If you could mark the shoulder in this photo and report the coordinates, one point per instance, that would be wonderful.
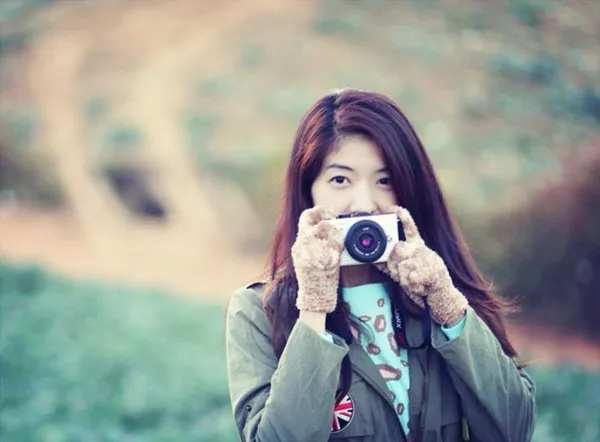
(248, 295)
(246, 305)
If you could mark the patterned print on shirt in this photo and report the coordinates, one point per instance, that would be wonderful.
(388, 372)
(403, 362)
(380, 302)
(393, 344)
(379, 324)
(400, 408)
(364, 318)
(373, 349)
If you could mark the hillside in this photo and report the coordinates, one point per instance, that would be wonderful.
(204, 97)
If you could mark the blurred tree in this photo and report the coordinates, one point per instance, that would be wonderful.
(121, 158)
(131, 185)
(551, 257)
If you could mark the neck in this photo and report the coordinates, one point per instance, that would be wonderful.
(351, 276)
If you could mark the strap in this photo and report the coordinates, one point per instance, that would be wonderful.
(400, 329)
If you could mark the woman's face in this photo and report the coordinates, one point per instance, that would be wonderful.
(354, 178)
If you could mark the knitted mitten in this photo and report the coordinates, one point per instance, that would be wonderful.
(422, 273)
(316, 255)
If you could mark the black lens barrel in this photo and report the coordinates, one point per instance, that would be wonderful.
(353, 241)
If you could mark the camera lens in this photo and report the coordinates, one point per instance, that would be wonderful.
(365, 241)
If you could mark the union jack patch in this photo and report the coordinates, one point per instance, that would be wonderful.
(342, 414)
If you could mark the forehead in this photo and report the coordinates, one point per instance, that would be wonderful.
(356, 149)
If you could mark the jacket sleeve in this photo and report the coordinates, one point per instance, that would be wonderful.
(498, 398)
(287, 400)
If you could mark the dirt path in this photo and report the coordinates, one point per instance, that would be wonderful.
(96, 238)
(153, 257)
(541, 346)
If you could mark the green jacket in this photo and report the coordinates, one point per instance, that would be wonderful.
(292, 399)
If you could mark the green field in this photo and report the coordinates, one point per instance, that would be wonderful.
(88, 362)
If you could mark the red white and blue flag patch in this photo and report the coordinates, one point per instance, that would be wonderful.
(342, 414)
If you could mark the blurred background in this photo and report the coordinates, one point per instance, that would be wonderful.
(142, 146)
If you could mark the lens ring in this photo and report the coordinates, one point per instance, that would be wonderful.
(359, 231)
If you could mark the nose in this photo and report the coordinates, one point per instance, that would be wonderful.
(362, 200)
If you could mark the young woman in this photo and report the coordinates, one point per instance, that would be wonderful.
(414, 348)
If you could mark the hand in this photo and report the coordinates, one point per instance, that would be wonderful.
(316, 254)
(422, 274)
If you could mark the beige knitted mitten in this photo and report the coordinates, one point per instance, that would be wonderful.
(316, 254)
(422, 273)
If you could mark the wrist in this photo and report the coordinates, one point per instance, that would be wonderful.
(317, 294)
(315, 320)
(457, 321)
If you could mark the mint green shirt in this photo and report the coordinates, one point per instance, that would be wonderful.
(370, 303)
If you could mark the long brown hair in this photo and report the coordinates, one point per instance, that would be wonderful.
(355, 112)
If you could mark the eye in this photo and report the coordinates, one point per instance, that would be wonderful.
(385, 181)
(339, 180)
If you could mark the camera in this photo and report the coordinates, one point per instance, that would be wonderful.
(368, 239)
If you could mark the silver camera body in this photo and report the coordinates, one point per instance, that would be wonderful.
(368, 239)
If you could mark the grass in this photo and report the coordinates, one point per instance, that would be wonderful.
(568, 400)
(88, 362)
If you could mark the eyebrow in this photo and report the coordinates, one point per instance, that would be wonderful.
(349, 169)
